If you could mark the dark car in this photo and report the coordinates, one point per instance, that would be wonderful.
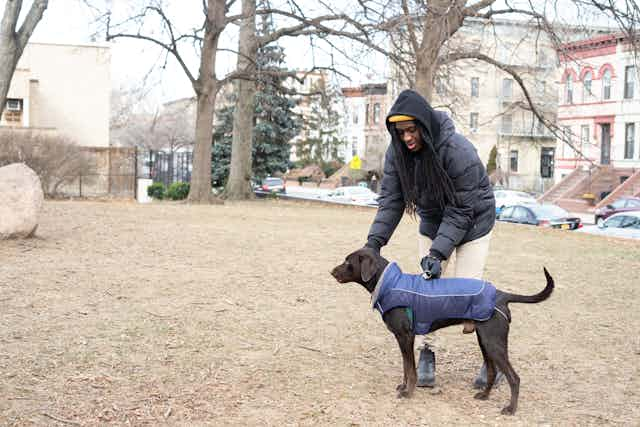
(546, 215)
(272, 185)
(623, 204)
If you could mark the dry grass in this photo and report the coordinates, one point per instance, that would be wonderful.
(119, 313)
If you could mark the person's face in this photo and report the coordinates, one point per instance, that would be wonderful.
(409, 134)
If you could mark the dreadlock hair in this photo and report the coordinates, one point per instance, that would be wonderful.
(422, 172)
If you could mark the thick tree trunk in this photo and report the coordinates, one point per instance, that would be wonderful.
(239, 184)
(206, 88)
(443, 19)
(12, 42)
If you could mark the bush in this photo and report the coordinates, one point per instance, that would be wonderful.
(156, 190)
(178, 191)
(55, 158)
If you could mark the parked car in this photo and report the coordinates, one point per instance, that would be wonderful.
(506, 198)
(623, 204)
(624, 224)
(542, 215)
(353, 194)
(272, 185)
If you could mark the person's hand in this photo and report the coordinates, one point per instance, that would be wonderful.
(372, 244)
(431, 267)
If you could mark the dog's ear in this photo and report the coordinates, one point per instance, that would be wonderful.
(367, 268)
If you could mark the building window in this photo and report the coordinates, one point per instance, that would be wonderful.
(541, 86)
(366, 114)
(440, 89)
(473, 122)
(354, 146)
(376, 113)
(507, 89)
(538, 125)
(507, 120)
(513, 160)
(584, 139)
(629, 140)
(586, 86)
(546, 162)
(13, 111)
(629, 81)
(566, 140)
(606, 84)
(568, 89)
(355, 116)
(475, 87)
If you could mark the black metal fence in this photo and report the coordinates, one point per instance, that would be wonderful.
(165, 167)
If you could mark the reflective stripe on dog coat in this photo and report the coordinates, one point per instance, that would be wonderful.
(435, 299)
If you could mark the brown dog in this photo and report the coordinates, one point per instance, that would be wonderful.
(366, 267)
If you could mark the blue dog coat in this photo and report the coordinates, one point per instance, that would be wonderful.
(435, 299)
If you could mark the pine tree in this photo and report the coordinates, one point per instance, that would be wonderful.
(274, 123)
(323, 142)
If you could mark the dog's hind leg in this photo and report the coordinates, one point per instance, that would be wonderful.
(502, 360)
(491, 372)
(496, 347)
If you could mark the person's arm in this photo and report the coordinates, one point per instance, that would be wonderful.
(458, 219)
(391, 205)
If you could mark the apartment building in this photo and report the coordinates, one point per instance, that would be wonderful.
(599, 109)
(64, 89)
(488, 105)
(366, 108)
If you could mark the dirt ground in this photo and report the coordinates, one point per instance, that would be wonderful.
(170, 314)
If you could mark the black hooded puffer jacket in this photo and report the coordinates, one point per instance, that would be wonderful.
(472, 217)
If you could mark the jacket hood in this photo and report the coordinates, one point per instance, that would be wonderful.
(411, 103)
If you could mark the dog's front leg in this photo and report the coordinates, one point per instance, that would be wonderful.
(399, 323)
(406, 341)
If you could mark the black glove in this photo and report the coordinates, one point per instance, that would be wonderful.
(372, 244)
(431, 266)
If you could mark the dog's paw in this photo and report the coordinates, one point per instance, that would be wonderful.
(508, 410)
(483, 395)
(404, 391)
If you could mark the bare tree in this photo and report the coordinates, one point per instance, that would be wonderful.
(423, 38)
(238, 186)
(13, 39)
(153, 24)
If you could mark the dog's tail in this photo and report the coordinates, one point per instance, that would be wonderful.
(531, 299)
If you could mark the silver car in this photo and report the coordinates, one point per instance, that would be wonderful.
(624, 224)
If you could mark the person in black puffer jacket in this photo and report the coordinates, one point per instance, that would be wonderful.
(434, 172)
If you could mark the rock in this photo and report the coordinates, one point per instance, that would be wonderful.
(21, 200)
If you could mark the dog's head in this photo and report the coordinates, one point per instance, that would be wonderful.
(359, 266)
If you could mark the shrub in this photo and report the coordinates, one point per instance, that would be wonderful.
(156, 190)
(178, 191)
(55, 158)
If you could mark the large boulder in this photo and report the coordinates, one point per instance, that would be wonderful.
(21, 199)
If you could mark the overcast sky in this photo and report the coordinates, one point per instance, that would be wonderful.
(70, 21)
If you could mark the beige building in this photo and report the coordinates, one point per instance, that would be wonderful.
(63, 88)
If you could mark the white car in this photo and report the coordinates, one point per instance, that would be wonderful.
(506, 198)
(624, 224)
(353, 195)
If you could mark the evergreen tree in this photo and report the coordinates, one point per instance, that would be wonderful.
(491, 163)
(274, 124)
(323, 143)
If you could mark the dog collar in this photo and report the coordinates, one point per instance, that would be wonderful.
(376, 291)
